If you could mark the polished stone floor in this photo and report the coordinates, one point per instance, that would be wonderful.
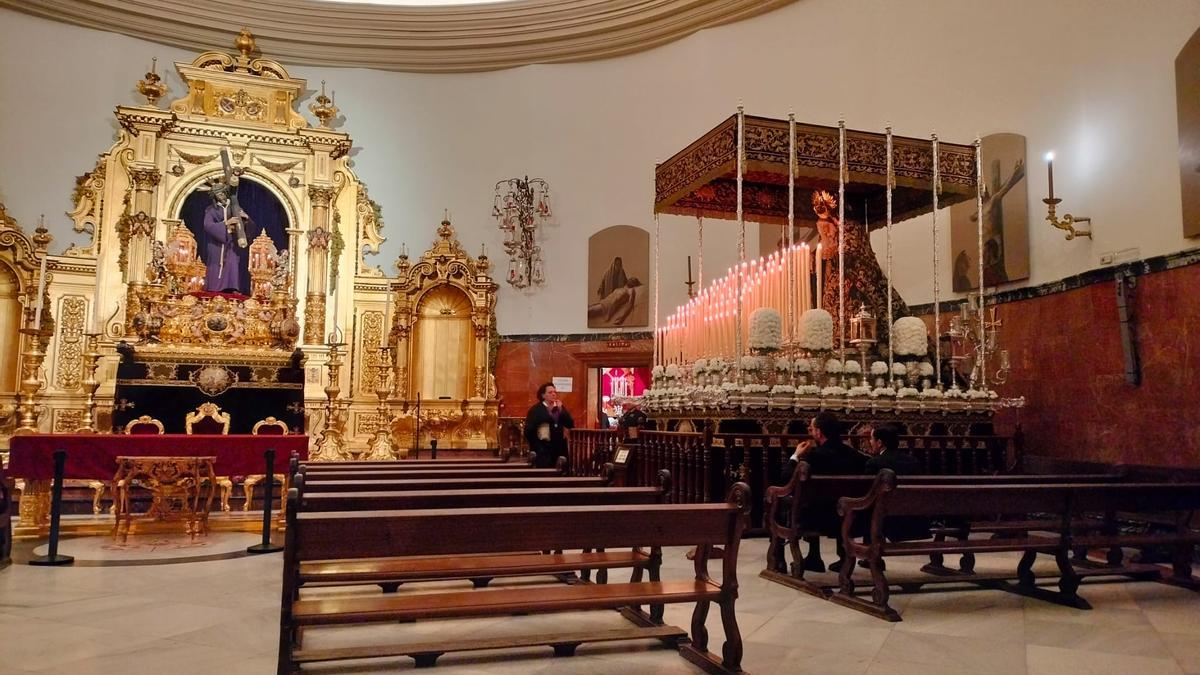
(222, 617)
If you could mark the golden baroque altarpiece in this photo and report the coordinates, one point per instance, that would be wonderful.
(135, 281)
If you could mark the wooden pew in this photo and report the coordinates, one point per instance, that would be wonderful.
(455, 532)
(889, 497)
(785, 507)
(447, 474)
(323, 484)
(390, 573)
(6, 513)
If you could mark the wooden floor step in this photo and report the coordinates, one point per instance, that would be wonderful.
(564, 644)
(329, 611)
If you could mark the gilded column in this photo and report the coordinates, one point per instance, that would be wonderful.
(319, 238)
(141, 222)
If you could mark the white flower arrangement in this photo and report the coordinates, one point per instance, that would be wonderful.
(833, 390)
(879, 368)
(808, 390)
(882, 391)
(925, 369)
(657, 372)
(955, 393)
(755, 389)
(907, 392)
(717, 366)
(783, 365)
(803, 366)
(932, 392)
(860, 390)
(853, 367)
(977, 394)
(730, 386)
(750, 363)
(833, 366)
(766, 329)
(899, 369)
(700, 367)
(673, 371)
(910, 336)
(785, 389)
(816, 330)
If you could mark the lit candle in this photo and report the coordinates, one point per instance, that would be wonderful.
(37, 309)
(1050, 172)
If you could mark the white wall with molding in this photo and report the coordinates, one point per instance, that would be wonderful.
(1091, 79)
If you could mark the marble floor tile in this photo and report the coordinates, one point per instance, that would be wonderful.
(964, 654)
(1104, 639)
(1057, 660)
(1185, 649)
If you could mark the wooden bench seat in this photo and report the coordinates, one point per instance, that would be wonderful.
(437, 568)
(498, 602)
(437, 473)
(1066, 502)
(786, 506)
(314, 484)
(390, 573)
(424, 533)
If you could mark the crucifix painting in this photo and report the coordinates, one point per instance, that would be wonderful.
(1005, 219)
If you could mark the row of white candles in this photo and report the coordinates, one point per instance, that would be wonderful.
(705, 326)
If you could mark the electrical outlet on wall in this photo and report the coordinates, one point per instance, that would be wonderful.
(1106, 258)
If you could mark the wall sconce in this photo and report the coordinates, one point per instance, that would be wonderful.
(1067, 222)
(519, 206)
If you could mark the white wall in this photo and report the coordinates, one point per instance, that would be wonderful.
(1091, 79)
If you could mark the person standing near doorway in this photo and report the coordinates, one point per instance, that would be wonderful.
(546, 426)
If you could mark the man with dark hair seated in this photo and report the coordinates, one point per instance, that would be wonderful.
(886, 454)
(826, 455)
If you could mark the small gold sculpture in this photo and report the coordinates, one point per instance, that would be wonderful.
(152, 87)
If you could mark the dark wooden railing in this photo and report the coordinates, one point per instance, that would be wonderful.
(705, 465)
(588, 450)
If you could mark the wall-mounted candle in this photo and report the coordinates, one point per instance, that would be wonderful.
(1050, 172)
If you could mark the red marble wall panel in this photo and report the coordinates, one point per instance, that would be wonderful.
(1068, 363)
(521, 367)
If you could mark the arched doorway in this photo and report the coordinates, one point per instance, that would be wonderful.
(444, 344)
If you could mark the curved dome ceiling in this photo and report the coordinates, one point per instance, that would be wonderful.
(437, 36)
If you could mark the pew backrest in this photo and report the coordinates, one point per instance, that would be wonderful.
(315, 484)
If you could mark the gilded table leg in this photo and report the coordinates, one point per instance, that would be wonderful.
(34, 507)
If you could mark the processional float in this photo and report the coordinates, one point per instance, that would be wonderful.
(791, 332)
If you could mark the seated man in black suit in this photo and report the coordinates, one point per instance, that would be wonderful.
(826, 455)
(886, 454)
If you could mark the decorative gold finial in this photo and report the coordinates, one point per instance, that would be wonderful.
(244, 43)
(323, 109)
(152, 87)
(41, 236)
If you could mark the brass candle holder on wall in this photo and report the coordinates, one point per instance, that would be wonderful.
(1068, 221)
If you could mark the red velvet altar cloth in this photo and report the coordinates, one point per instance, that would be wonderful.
(94, 456)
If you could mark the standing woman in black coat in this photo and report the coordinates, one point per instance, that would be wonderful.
(546, 426)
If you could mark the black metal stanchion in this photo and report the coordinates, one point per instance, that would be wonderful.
(433, 448)
(266, 546)
(52, 557)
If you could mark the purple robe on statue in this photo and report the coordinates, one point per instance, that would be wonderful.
(220, 251)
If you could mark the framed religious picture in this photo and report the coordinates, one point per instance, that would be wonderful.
(618, 278)
(1005, 219)
(1187, 83)
(622, 456)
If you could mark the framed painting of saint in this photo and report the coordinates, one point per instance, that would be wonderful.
(618, 278)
